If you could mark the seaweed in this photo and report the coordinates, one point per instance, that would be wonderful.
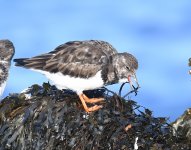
(43, 117)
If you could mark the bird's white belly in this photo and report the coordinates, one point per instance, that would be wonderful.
(2, 87)
(76, 84)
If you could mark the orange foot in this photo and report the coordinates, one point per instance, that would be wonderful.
(85, 99)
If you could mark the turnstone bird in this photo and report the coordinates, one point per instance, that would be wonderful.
(83, 65)
(7, 51)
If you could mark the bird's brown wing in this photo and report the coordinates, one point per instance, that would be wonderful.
(76, 58)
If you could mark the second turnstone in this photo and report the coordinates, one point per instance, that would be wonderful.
(84, 65)
(7, 51)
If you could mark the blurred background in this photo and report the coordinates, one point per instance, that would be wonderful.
(158, 33)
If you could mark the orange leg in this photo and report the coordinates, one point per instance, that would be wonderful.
(88, 109)
(92, 100)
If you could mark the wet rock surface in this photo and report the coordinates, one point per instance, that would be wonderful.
(45, 118)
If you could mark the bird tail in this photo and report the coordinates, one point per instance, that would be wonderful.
(37, 62)
(28, 63)
(20, 62)
(31, 63)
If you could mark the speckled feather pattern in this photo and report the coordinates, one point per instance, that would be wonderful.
(7, 51)
(83, 60)
(4, 68)
(77, 58)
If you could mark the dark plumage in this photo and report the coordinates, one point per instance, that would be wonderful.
(83, 60)
(78, 58)
(7, 51)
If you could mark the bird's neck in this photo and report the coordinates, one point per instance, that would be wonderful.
(109, 75)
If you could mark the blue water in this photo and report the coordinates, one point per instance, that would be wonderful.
(158, 33)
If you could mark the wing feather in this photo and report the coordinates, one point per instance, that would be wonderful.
(75, 58)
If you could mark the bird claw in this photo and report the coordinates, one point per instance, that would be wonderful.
(93, 108)
(85, 99)
(92, 100)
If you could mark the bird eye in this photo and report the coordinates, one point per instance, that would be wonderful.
(127, 68)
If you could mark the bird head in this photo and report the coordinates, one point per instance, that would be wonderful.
(7, 50)
(125, 66)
